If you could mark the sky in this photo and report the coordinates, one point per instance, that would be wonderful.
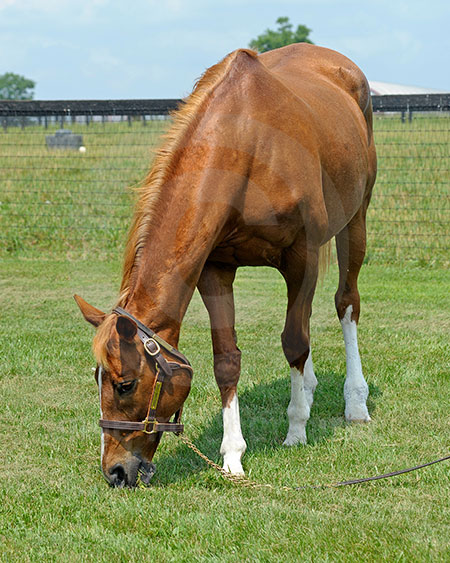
(118, 49)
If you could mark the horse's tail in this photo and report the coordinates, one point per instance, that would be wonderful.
(324, 259)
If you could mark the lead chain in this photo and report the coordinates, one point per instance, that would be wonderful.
(235, 479)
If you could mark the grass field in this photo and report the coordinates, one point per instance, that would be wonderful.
(65, 201)
(408, 218)
(55, 505)
(80, 204)
(64, 217)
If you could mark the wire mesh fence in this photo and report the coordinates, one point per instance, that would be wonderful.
(409, 214)
(77, 199)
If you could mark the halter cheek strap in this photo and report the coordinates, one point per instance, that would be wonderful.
(152, 345)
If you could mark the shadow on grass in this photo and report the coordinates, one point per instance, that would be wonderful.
(264, 425)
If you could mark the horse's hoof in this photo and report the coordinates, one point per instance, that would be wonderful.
(234, 467)
(356, 411)
(360, 420)
(294, 440)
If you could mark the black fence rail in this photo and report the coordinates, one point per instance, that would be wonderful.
(66, 168)
(412, 102)
(68, 108)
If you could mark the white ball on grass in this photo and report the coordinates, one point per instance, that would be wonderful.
(82, 149)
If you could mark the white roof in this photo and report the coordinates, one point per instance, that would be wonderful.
(386, 88)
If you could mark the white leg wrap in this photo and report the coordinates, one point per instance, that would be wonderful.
(356, 389)
(298, 410)
(310, 380)
(233, 443)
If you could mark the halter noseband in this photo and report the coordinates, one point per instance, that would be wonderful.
(152, 346)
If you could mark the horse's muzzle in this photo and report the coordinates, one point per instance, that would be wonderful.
(127, 475)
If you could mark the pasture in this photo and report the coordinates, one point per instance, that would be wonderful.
(81, 204)
(63, 225)
(56, 506)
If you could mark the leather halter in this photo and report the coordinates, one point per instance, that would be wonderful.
(152, 346)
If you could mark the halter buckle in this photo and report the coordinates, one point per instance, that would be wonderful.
(147, 349)
(146, 422)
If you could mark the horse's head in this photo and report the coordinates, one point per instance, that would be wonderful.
(126, 376)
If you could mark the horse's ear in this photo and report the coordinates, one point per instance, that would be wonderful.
(126, 328)
(90, 313)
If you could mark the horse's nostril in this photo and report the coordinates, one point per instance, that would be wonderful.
(118, 476)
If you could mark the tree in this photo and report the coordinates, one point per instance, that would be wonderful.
(282, 36)
(16, 87)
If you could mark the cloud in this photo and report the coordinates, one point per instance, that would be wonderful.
(111, 48)
(25, 6)
(104, 58)
(81, 11)
(397, 43)
(6, 4)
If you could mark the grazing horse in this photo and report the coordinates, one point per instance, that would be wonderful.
(270, 157)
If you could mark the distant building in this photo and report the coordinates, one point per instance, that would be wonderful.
(386, 88)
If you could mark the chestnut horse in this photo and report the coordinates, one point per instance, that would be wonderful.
(269, 158)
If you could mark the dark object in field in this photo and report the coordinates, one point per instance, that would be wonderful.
(64, 139)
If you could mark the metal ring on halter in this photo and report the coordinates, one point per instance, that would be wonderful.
(146, 422)
(148, 350)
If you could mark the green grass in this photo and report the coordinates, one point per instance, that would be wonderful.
(80, 204)
(62, 200)
(409, 214)
(62, 215)
(55, 505)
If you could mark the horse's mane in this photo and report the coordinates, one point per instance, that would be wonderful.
(102, 341)
(184, 120)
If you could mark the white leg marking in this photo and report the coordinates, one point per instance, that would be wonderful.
(233, 443)
(310, 380)
(298, 410)
(101, 412)
(356, 389)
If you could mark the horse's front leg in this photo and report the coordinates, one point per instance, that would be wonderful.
(216, 288)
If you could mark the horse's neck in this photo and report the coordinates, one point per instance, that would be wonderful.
(187, 226)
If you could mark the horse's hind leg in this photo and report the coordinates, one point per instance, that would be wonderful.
(351, 248)
(301, 277)
(216, 288)
(310, 380)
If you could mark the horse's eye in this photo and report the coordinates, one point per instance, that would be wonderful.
(126, 387)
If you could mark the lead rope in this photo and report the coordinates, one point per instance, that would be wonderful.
(245, 482)
(235, 479)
